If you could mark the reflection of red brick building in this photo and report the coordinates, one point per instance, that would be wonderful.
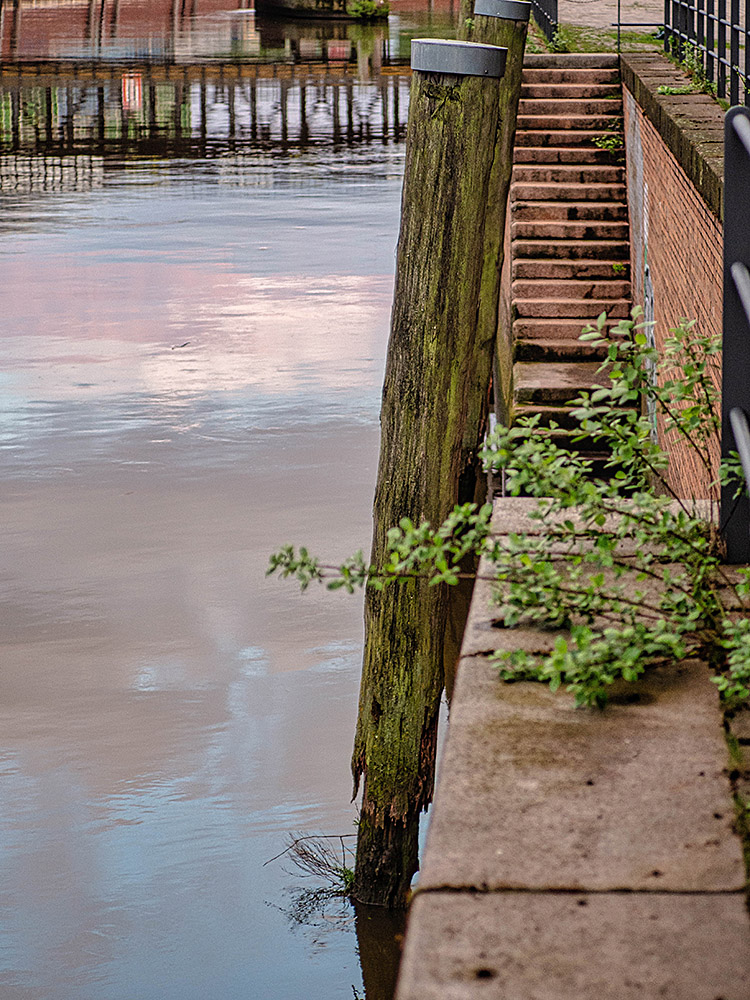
(60, 29)
(184, 31)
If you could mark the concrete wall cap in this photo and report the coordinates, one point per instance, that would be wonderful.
(439, 55)
(511, 10)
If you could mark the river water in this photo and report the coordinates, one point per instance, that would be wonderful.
(196, 261)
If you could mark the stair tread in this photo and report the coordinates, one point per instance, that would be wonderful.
(570, 106)
(574, 287)
(564, 60)
(557, 138)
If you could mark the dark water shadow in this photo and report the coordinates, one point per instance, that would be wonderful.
(380, 936)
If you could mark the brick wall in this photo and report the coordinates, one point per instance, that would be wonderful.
(676, 247)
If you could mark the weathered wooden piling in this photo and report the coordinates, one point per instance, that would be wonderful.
(504, 23)
(427, 448)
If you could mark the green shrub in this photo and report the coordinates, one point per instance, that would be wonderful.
(368, 10)
(630, 572)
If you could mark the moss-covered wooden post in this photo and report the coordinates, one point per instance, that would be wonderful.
(504, 23)
(429, 379)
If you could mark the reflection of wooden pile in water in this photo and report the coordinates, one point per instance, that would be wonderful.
(221, 111)
(23, 174)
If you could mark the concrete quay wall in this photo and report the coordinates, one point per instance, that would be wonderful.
(576, 854)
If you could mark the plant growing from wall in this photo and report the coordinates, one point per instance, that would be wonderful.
(629, 572)
(612, 141)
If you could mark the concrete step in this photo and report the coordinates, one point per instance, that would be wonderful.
(572, 308)
(569, 233)
(550, 268)
(551, 75)
(568, 192)
(540, 382)
(557, 350)
(552, 328)
(560, 154)
(545, 135)
(573, 249)
(568, 173)
(569, 230)
(570, 60)
(577, 289)
(568, 91)
(569, 211)
(562, 945)
(572, 122)
(560, 414)
(560, 105)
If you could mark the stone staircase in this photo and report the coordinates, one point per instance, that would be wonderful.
(569, 250)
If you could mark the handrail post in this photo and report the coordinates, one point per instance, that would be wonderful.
(735, 394)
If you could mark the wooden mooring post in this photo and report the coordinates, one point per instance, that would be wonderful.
(429, 439)
(504, 23)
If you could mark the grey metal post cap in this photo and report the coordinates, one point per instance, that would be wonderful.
(439, 55)
(511, 10)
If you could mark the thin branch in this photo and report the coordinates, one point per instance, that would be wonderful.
(310, 836)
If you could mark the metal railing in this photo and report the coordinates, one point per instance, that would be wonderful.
(712, 38)
(735, 396)
(545, 15)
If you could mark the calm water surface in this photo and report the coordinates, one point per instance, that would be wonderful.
(192, 352)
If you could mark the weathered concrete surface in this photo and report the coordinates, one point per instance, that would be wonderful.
(529, 946)
(536, 794)
(574, 853)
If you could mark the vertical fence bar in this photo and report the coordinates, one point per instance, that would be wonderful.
(667, 25)
(700, 27)
(690, 16)
(710, 38)
(734, 52)
(684, 25)
(721, 61)
(735, 394)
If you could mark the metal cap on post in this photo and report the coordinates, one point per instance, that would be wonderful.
(735, 390)
(438, 55)
(511, 10)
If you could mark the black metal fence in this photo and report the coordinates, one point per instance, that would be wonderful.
(712, 38)
(735, 401)
(545, 15)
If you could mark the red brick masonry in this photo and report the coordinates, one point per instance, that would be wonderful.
(674, 178)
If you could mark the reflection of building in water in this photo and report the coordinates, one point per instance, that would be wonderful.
(32, 30)
(193, 30)
(190, 31)
(158, 111)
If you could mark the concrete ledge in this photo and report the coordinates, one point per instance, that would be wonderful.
(574, 853)
(536, 794)
(691, 125)
(527, 946)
